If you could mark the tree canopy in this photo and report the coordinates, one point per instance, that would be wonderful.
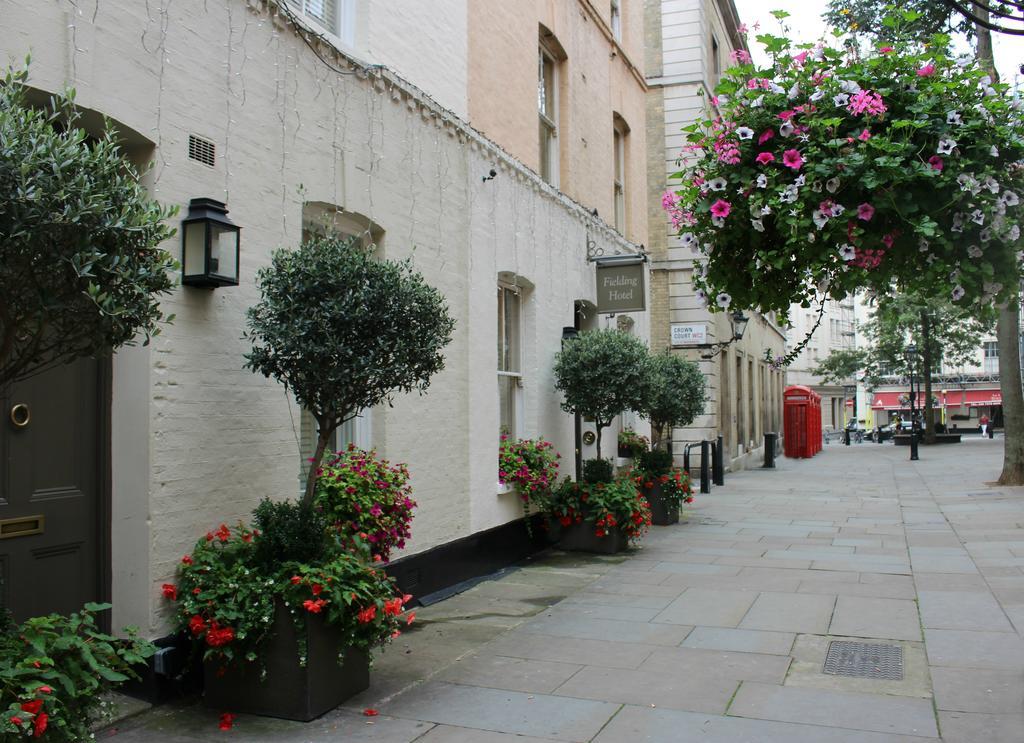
(344, 331)
(677, 393)
(81, 270)
(601, 373)
(924, 19)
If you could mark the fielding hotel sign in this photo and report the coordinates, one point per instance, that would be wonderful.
(620, 284)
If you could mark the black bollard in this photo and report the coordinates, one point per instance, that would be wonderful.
(705, 474)
(718, 463)
(769, 450)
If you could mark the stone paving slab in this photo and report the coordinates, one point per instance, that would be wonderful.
(962, 610)
(740, 640)
(449, 734)
(790, 612)
(718, 664)
(962, 649)
(568, 625)
(583, 652)
(967, 727)
(514, 674)
(874, 712)
(976, 690)
(673, 690)
(894, 619)
(710, 607)
(646, 725)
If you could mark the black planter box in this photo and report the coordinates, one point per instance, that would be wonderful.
(662, 512)
(581, 538)
(625, 452)
(290, 691)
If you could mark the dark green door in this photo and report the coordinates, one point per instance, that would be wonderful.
(50, 451)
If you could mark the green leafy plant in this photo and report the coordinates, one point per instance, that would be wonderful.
(674, 483)
(676, 394)
(655, 463)
(633, 442)
(362, 496)
(598, 470)
(226, 594)
(532, 466)
(54, 669)
(605, 506)
(81, 271)
(344, 331)
(856, 171)
(601, 373)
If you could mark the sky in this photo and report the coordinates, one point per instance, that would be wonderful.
(807, 25)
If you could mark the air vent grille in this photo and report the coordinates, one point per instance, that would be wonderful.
(201, 150)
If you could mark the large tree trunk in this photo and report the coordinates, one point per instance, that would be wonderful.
(1007, 331)
(929, 411)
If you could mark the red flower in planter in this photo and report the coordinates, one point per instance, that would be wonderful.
(186, 560)
(39, 724)
(317, 589)
(219, 636)
(314, 607)
(227, 720)
(170, 591)
(197, 625)
(367, 614)
(393, 607)
(32, 707)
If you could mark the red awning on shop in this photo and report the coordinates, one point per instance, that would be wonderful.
(952, 399)
(972, 398)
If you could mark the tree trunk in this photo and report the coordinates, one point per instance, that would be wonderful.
(1007, 331)
(599, 427)
(929, 411)
(324, 435)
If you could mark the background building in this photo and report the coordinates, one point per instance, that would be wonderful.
(294, 115)
(689, 43)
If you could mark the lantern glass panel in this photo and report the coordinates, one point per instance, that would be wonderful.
(195, 248)
(224, 251)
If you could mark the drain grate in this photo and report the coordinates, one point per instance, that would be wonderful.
(864, 660)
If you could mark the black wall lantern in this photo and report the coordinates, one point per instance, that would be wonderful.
(210, 245)
(739, 324)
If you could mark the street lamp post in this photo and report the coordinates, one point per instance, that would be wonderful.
(910, 354)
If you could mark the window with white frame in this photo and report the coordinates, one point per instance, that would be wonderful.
(991, 349)
(547, 108)
(616, 13)
(619, 188)
(510, 376)
(332, 16)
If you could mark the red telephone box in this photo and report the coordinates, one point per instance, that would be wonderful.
(802, 416)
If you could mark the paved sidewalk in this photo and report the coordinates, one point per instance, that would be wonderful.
(716, 630)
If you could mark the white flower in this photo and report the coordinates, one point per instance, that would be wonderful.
(800, 180)
(757, 224)
(718, 184)
(930, 259)
(847, 252)
(818, 53)
(817, 95)
(991, 91)
(702, 297)
(968, 183)
(707, 248)
(744, 132)
(1013, 234)
(794, 91)
(766, 210)
(985, 235)
(762, 181)
(837, 209)
(978, 217)
(849, 86)
(922, 245)
(832, 185)
(722, 100)
(958, 223)
(1009, 198)
(786, 128)
(805, 137)
(973, 251)
(958, 293)
(994, 151)
(819, 219)
(718, 221)
(757, 102)
(992, 184)
(775, 87)
(723, 300)
(985, 80)
(789, 194)
(700, 270)
(953, 117)
(842, 100)
(945, 146)
(688, 240)
(811, 237)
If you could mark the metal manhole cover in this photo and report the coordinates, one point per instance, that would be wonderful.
(864, 660)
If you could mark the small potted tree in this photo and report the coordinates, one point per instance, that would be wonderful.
(271, 602)
(675, 397)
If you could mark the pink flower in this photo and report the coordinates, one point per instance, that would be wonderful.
(886, 49)
(669, 200)
(889, 239)
(721, 209)
(792, 159)
(927, 71)
(865, 212)
(740, 55)
(867, 102)
(763, 158)
(800, 58)
(742, 28)
(864, 136)
(787, 115)
(765, 136)
(936, 162)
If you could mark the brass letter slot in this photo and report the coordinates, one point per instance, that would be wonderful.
(22, 527)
